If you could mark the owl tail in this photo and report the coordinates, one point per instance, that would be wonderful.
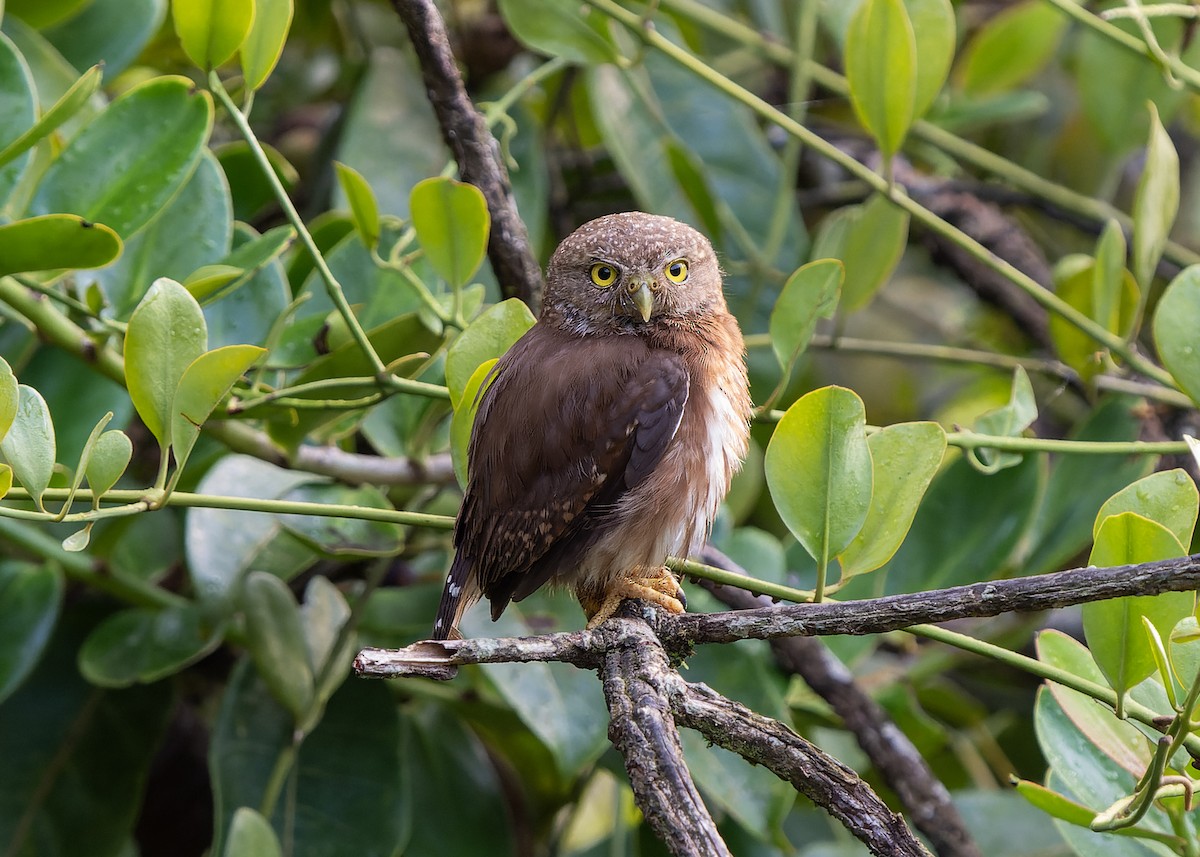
(460, 593)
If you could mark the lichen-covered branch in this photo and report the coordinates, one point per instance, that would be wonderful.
(924, 798)
(475, 150)
(819, 777)
(635, 674)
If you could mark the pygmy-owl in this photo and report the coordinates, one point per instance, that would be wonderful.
(610, 431)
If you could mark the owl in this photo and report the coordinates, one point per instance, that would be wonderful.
(606, 437)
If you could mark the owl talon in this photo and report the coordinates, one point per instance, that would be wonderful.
(662, 589)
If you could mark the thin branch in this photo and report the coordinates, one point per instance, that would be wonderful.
(475, 150)
(870, 616)
(636, 676)
(819, 777)
(921, 793)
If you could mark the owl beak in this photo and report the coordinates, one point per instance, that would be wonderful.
(643, 298)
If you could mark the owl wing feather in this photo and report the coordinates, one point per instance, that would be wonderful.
(567, 428)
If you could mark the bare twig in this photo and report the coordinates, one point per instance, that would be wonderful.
(921, 793)
(635, 674)
(475, 150)
(871, 616)
(818, 776)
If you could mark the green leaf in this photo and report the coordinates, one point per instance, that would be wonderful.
(30, 598)
(324, 614)
(874, 243)
(6, 480)
(344, 794)
(348, 537)
(252, 306)
(810, 293)
(1113, 628)
(904, 459)
(193, 230)
(43, 13)
(935, 33)
(1011, 420)
(1184, 649)
(107, 175)
(1176, 320)
(1120, 740)
(1081, 283)
(18, 109)
(264, 43)
(250, 835)
(487, 338)
(76, 757)
(166, 334)
(55, 241)
(29, 446)
(1109, 279)
(1155, 203)
(252, 191)
(205, 382)
(108, 33)
(1011, 48)
(881, 69)
(275, 639)
(207, 280)
(1054, 804)
(550, 27)
(223, 544)
(363, 208)
(145, 645)
(211, 31)
(1168, 498)
(10, 397)
(452, 223)
(464, 418)
(818, 469)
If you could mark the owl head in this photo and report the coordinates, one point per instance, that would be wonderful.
(622, 271)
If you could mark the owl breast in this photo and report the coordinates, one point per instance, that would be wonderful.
(695, 472)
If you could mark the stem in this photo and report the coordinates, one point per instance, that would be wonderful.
(279, 775)
(500, 107)
(332, 286)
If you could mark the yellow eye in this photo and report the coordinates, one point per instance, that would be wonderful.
(677, 271)
(603, 275)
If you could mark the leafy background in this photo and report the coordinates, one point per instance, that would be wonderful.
(173, 666)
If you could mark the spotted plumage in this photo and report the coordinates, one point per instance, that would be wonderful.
(610, 431)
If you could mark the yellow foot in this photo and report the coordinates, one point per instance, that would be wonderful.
(661, 589)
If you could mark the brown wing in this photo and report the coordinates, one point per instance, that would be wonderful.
(568, 426)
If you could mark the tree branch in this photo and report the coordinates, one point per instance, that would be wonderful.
(871, 616)
(475, 150)
(818, 776)
(922, 794)
(636, 675)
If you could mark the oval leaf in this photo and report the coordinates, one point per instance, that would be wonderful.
(67, 106)
(1169, 498)
(9, 397)
(452, 222)
(363, 208)
(873, 245)
(205, 382)
(211, 31)
(109, 175)
(487, 337)
(18, 110)
(810, 293)
(1113, 628)
(264, 43)
(146, 645)
(275, 638)
(1156, 201)
(559, 29)
(1176, 320)
(935, 32)
(166, 334)
(29, 446)
(881, 69)
(251, 835)
(818, 469)
(110, 457)
(29, 602)
(904, 459)
(55, 241)
(1011, 48)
